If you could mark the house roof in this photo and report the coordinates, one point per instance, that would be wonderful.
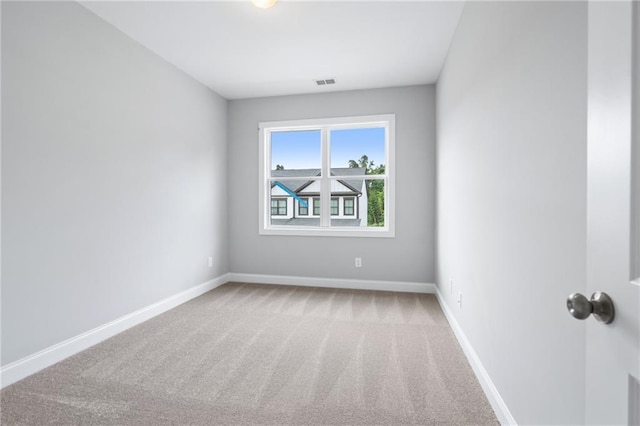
(297, 185)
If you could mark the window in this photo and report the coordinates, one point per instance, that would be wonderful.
(344, 167)
(279, 207)
(349, 204)
(303, 207)
(334, 206)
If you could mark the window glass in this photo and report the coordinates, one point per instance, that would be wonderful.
(303, 207)
(296, 150)
(375, 194)
(349, 205)
(358, 148)
(278, 207)
(334, 206)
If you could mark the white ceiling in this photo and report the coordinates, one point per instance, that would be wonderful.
(241, 51)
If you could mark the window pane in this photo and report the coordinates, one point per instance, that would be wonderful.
(296, 151)
(316, 206)
(375, 196)
(278, 207)
(291, 203)
(349, 205)
(358, 148)
(349, 216)
(303, 206)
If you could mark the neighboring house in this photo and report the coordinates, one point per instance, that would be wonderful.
(297, 202)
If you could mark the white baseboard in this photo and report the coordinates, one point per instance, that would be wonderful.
(496, 401)
(31, 364)
(408, 287)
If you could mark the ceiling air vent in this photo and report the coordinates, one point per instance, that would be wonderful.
(327, 81)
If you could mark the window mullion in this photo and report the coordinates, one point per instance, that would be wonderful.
(325, 182)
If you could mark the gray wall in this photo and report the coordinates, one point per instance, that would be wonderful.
(113, 176)
(407, 257)
(511, 198)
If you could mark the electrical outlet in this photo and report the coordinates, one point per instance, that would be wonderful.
(459, 301)
(358, 262)
(210, 262)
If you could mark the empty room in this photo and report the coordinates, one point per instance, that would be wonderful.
(320, 212)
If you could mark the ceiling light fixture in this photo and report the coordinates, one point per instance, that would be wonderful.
(264, 4)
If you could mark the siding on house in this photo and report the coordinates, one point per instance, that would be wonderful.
(309, 190)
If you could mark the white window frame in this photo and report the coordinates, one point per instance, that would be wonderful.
(325, 125)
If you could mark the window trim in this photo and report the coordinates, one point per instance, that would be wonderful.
(326, 125)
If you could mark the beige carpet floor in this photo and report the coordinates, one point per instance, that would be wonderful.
(264, 354)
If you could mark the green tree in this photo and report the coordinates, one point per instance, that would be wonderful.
(362, 162)
(375, 207)
(374, 188)
(279, 167)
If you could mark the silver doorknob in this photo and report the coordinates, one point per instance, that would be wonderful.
(600, 305)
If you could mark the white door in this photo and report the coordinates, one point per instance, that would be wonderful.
(613, 213)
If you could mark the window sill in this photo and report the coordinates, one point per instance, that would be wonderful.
(290, 231)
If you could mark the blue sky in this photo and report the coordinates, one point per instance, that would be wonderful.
(301, 150)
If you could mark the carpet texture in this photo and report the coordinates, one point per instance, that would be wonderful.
(265, 354)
